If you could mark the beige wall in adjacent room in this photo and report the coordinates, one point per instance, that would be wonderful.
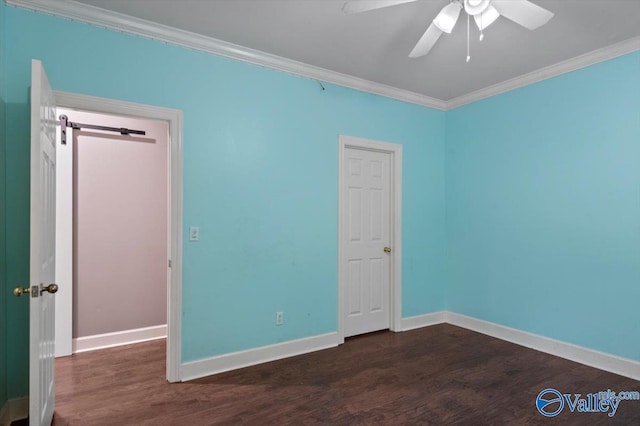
(120, 226)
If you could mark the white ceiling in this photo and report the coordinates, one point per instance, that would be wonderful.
(375, 45)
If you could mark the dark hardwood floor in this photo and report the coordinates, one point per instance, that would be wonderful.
(435, 375)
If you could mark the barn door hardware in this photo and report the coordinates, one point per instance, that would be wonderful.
(64, 123)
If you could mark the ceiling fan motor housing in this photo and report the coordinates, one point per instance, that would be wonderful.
(476, 7)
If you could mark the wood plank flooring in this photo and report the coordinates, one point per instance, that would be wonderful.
(435, 375)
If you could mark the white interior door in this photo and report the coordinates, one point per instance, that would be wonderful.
(42, 248)
(365, 235)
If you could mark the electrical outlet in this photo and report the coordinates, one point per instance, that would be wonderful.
(194, 233)
(279, 318)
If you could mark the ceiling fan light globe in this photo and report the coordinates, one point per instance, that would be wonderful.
(486, 18)
(448, 17)
(476, 7)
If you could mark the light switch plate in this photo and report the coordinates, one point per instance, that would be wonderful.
(194, 233)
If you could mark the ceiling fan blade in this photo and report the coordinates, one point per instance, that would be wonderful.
(357, 6)
(523, 12)
(426, 42)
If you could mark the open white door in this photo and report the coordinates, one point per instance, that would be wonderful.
(42, 248)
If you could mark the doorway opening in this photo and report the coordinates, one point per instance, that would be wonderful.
(119, 228)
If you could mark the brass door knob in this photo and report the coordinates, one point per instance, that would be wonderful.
(387, 249)
(19, 291)
(51, 288)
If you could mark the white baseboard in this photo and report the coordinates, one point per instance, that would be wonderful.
(424, 320)
(592, 358)
(14, 409)
(4, 415)
(119, 338)
(18, 408)
(218, 364)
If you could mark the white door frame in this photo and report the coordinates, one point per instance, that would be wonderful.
(395, 234)
(174, 236)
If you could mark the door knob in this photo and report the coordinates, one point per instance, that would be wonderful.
(19, 291)
(387, 249)
(51, 288)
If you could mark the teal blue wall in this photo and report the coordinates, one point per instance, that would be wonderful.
(260, 180)
(543, 208)
(3, 264)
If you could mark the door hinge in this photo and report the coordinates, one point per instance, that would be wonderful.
(169, 263)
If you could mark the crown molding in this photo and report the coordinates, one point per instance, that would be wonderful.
(117, 21)
(573, 64)
(128, 24)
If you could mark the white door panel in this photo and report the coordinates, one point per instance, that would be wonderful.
(42, 248)
(366, 214)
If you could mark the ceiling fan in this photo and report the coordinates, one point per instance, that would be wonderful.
(484, 13)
